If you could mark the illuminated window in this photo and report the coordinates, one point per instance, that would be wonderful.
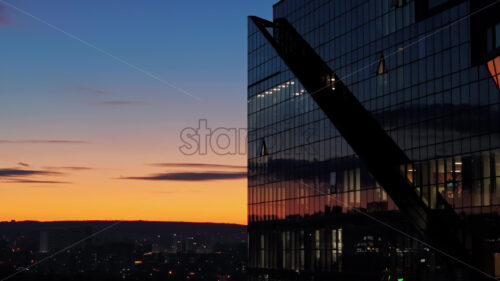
(317, 248)
(381, 69)
(337, 247)
(494, 68)
(353, 188)
(497, 264)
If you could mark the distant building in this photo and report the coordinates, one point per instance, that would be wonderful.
(44, 242)
(371, 122)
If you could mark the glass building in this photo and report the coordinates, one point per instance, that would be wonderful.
(374, 140)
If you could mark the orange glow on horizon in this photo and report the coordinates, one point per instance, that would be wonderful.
(102, 193)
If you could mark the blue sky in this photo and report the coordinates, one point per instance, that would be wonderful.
(199, 46)
(53, 87)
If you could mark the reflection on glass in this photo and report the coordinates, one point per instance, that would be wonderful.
(381, 69)
(494, 68)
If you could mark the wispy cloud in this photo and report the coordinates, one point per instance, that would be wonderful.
(120, 103)
(93, 90)
(35, 181)
(191, 176)
(23, 164)
(45, 141)
(13, 172)
(211, 172)
(56, 186)
(199, 165)
(72, 168)
(29, 176)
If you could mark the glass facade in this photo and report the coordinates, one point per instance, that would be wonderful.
(314, 209)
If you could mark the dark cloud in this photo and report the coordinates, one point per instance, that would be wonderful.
(19, 172)
(199, 165)
(25, 176)
(119, 103)
(45, 141)
(23, 164)
(93, 90)
(188, 176)
(36, 181)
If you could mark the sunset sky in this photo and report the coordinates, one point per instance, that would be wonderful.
(94, 96)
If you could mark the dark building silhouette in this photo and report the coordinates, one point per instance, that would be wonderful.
(128, 251)
(374, 140)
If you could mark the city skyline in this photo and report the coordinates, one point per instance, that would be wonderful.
(250, 140)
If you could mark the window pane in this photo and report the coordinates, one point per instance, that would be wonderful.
(435, 3)
(497, 35)
(489, 39)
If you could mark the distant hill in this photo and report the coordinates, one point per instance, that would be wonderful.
(125, 230)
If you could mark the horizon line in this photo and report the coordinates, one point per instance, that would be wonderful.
(152, 221)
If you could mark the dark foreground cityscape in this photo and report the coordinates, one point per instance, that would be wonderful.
(127, 251)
